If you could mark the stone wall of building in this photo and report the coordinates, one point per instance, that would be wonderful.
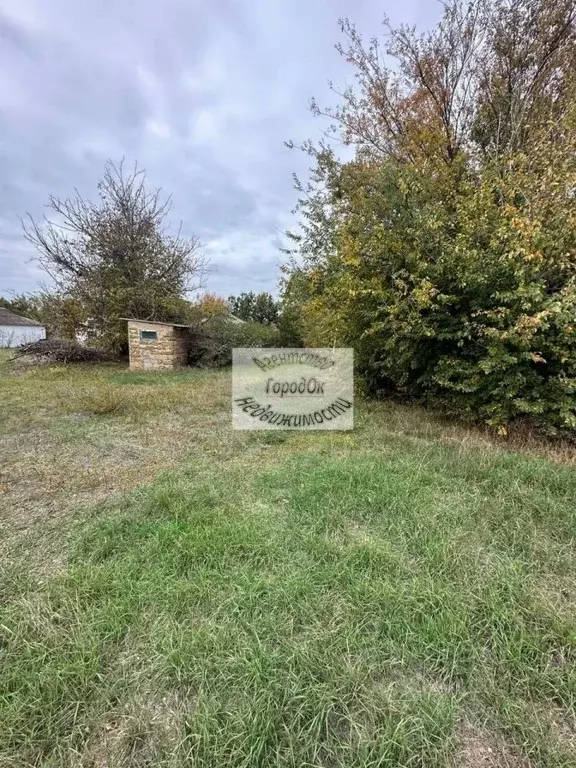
(167, 351)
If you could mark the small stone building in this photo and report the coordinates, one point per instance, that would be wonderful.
(156, 346)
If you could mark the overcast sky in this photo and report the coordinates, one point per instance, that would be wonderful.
(202, 93)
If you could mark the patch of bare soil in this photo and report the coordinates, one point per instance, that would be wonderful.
(146, 732)
(479, 749)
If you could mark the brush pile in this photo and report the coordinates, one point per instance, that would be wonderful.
(60, 351)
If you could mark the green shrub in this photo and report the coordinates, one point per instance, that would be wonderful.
(212, 345)
(469, 303)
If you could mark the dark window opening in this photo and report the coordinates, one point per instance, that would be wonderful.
(148, 336)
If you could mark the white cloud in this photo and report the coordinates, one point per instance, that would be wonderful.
(205, 127)
(159, 128)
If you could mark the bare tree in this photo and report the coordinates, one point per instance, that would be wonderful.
(526, 77)
(394, 111)
(481, 78)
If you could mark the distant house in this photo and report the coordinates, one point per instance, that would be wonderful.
(15, 330)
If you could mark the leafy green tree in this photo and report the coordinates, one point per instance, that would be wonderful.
(26, 305)
(241, 306)
(255, 307)
(292, 287)
(115, 257)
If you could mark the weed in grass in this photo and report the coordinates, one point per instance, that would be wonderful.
(101, 400)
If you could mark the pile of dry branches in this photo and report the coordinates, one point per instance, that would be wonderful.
(61, 351)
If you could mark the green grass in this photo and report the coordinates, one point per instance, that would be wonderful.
(403, 595)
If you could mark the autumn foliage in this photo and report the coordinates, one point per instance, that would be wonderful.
(445, 251)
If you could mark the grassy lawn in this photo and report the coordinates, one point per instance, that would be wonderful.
(173, 593)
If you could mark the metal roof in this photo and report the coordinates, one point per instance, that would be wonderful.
(154, 322)
(9, 318)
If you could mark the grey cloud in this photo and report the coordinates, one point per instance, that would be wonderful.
(201, 94)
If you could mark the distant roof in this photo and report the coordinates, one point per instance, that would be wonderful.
(154, 322)
(9, 318)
